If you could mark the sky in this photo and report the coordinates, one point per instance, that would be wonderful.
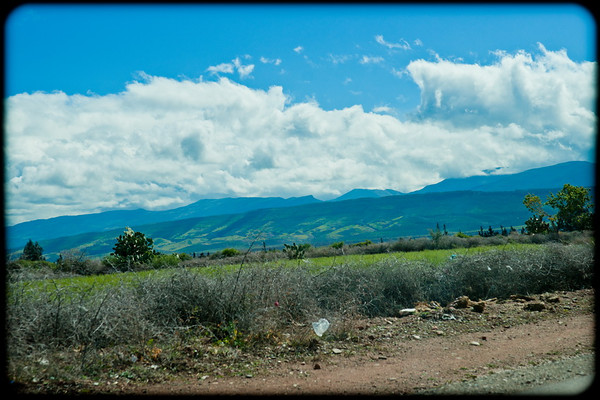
(157, 106)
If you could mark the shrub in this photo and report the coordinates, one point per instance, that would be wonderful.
(76, 262)
(229, 252)
(294, 251)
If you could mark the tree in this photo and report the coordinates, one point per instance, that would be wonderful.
(535, 224)
(133, 248)
(574, 208)
(32, 252)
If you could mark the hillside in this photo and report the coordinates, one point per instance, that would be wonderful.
(384, 218)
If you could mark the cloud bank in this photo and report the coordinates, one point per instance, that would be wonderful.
(163, 143)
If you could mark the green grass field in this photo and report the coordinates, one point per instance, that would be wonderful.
(433, 257)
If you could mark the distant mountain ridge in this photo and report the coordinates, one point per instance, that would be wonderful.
(69, 225)
(578, 173)
(381, 218)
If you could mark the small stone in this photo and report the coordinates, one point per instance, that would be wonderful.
(249, 376)
(317, 366)
(416, 337)
(439, 333)
(336, 350)
(474, 343)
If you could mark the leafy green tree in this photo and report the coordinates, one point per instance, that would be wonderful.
(133, 248)
(32, 252)
(535, 224)
(574, 208)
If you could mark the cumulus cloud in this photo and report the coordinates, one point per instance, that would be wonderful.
(544, 95)
(163, 143)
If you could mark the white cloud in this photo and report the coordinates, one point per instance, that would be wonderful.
(299, 49)
(542, 94)
(275, 61)
(403, 44)
(243, 70)
(236, 65)
(371, 60)
(165, 142)
(225, 68)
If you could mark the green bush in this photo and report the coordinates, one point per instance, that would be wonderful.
(229, 252)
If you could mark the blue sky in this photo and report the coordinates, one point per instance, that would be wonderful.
(164, 105)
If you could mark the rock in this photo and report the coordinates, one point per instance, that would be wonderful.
(521, 298)
(478, 307)
(536, 306)
(474, 343)
(317, 366)
(551, 299)
(416, 337)
(336, 351)
(461, 302)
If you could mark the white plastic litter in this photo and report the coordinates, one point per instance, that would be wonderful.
(320, 327)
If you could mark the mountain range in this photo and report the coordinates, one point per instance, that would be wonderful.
(212, 224)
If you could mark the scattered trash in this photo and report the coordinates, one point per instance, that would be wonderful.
(407, 311)
(320, 326)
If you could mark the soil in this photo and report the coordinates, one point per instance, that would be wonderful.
(496, 346)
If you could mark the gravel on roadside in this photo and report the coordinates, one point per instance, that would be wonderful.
(566, 376)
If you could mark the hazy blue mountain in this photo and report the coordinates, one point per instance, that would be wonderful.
(381, 218)
(41, 229)
(577, 173)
